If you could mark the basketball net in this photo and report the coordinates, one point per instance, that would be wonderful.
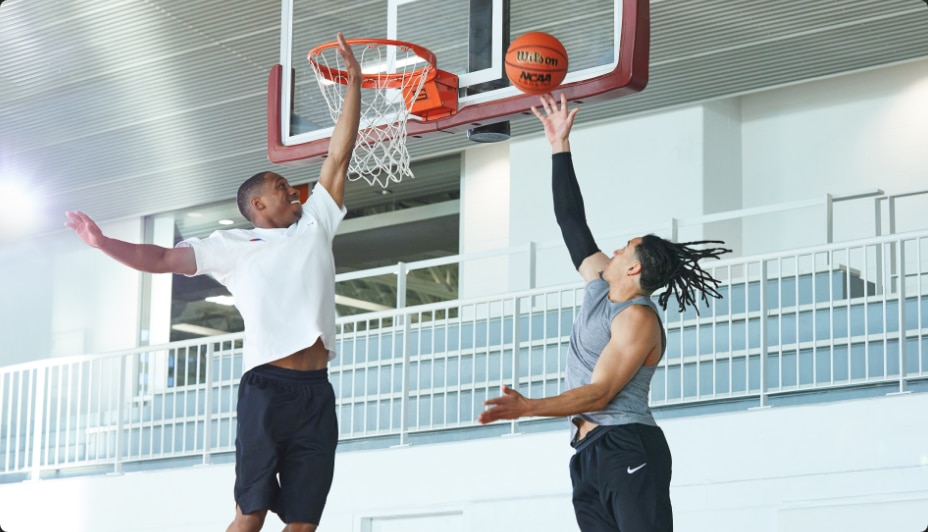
(392, 77)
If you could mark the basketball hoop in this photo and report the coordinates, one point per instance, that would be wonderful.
(393, 76)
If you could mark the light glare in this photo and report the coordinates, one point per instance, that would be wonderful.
(20, 207)
(221, 300)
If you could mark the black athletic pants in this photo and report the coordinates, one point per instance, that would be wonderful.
(621, 479)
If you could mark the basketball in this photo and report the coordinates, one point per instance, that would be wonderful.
(536, 63)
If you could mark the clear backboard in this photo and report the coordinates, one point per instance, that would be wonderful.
(607, 43)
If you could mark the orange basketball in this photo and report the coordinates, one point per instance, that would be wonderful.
(536, 63)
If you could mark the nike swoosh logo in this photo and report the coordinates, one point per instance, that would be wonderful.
(630, 470)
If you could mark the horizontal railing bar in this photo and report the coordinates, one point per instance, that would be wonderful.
(868, 193)
(904, 194)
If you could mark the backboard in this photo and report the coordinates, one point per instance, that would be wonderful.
(607, 43)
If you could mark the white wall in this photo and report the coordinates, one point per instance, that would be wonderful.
(26, 300)
(59, 297)
(156, 326)
(858, 465)
(722, 173)
(839, 136)
(485, 201)
(635, 176)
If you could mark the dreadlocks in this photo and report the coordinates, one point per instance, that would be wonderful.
(676, 265)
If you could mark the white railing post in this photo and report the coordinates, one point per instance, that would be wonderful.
(900, 293)
(829, 218)
(401, 285)
(404, 398)
(674, 229)
(877, 216)
(893, 269)
(516, 351)
(764, 313)
(532, 257)
(120, 412)
(208, 406)
(891, 207)
(35, 468)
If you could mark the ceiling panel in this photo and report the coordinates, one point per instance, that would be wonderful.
(126, 107)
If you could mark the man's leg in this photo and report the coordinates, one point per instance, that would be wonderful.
(591, 514)
(637, 464)
(300, 527)
(256, 455)
(249, 522)
(308, 458)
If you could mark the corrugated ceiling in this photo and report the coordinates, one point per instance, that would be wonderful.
(129, 107)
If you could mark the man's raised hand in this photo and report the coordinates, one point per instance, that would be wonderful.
(351, 62)
(556, 118)
(85, 228)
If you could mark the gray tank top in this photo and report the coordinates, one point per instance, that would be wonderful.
(591, 332)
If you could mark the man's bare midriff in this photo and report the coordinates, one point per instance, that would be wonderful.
(583, 427)
(313, 357)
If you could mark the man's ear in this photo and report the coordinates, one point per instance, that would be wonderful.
(634, 268)
(257, 204)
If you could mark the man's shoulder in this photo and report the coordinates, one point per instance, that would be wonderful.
(635, 313)
(235, 235)
(222, 239)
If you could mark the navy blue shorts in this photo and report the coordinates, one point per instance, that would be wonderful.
(285, 447)
(621, 479)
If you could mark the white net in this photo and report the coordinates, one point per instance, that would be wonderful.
(393, 77)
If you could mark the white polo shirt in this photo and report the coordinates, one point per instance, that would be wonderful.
(283, 280)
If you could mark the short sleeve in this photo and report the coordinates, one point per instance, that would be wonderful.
(212, 255)
(322, 207)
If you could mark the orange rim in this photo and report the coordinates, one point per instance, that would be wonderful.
(397, 80)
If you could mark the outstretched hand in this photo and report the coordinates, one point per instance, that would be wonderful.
(334, 170)
(510, 405)
(351, 62)
(556, 119)
(85, 228)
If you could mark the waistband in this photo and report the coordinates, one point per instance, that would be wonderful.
(591, 437)
(291, 375)
(598, 432)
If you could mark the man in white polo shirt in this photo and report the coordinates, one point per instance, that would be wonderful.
(282, 274)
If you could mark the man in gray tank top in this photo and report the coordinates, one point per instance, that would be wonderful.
(622, 466)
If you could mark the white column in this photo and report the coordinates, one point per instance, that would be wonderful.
(485, 207)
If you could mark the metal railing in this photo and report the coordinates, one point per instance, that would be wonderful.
(422, 281)
(836, 316)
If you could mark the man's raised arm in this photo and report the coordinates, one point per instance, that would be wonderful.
(568, 202)
(341, 145)
(142, 257)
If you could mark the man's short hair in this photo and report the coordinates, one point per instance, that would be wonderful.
(251, 188)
